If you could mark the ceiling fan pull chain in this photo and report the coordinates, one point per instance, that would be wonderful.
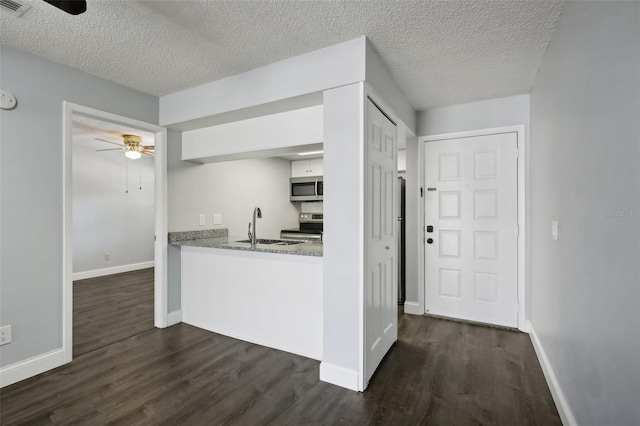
(127, 175)
(140, 175)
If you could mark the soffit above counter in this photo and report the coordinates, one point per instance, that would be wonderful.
(267, 136)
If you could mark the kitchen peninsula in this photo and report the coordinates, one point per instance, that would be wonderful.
(270, 294)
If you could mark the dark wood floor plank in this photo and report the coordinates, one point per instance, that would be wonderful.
(439, 372)
(111, 308)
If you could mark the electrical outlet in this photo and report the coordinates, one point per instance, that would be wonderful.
(217, 219)
(5, 335)
(554, 230)
(107, 256)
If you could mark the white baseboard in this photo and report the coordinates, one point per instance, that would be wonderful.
(339, 376)
(566, 415)
(174, 318)
(413, 308)
(113, 270)
(31, 367)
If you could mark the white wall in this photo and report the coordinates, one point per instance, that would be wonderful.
(485, 114)
(402, 160)
(232, 189)
(414, 222)
(585, 158)
(31, 191)
(343, 235)
(107, 219)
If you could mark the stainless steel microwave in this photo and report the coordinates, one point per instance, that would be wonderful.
(308, 188)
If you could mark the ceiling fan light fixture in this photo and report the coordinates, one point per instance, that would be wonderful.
(133, 146)
(132, 154)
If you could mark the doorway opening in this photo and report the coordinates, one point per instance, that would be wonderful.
(115, 228)
(113, 232)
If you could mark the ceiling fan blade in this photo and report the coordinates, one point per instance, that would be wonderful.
(72, 7)
(113, 143)
(150, 154)
(109, 149)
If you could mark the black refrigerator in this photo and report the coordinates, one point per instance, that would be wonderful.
(401, 241)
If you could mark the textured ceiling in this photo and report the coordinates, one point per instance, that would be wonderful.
(439, 52)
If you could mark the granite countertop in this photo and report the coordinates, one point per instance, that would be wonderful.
(219, 238)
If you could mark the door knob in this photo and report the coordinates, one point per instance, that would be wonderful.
(429, 240)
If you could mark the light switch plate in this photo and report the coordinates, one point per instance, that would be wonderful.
(217, 219)
(554, 230)
(203, 220)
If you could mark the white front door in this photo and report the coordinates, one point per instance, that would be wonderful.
(471, 221)
(381, 306)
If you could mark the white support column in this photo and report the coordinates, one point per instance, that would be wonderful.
(343, 320)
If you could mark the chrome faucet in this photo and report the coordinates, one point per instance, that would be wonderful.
(252, 236)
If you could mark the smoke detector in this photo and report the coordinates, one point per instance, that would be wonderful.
(16, 7)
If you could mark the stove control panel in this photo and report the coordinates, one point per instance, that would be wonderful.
(310, 217)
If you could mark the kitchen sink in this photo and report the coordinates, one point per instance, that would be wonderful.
(274, 242)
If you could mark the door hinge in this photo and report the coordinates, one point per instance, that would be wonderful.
(517, 229)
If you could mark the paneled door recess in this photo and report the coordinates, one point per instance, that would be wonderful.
(380, 281)
(471, 228)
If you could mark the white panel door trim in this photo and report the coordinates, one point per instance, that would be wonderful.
(161, 223)
(523, 235)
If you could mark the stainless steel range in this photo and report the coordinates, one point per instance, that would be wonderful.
(310, 228)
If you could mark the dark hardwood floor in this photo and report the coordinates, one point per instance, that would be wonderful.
(111, 308)
(438, 373)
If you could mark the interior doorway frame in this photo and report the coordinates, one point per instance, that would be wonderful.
(523, 251)
(161, 223)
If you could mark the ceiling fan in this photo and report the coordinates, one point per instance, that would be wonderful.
(132, 147)
(72, 7)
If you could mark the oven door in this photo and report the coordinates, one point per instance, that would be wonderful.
(306, 188)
